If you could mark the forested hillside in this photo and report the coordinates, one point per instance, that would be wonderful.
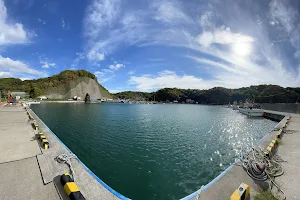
(219, 95)
(43, 85)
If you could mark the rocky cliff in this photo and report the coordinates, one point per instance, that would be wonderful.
(64, 85)
(79, 88)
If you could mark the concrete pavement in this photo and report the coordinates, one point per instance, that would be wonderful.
(28, 171)
(226, 183)
(20, 176)
(289, 151)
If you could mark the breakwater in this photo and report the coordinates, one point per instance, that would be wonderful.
(275, 116)
(281, 107)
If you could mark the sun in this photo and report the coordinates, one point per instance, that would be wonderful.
(242, 48)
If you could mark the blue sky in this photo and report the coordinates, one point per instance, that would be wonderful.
(147, 45)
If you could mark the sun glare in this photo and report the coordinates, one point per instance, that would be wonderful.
(242, 49)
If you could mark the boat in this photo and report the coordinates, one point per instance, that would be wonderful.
(251, 110)
(235, 106)
(33, 102)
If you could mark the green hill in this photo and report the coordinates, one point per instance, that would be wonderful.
(64, 85)
(219, 95)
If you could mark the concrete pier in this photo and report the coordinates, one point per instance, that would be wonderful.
(273, 115)
(20, 176)
(227, 182)
(27, 171)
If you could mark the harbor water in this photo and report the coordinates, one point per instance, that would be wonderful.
(159, 151)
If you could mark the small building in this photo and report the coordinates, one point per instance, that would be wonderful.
(42, 97)
(17, 95)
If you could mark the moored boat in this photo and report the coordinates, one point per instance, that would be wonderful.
(252, 112)
(235, 106)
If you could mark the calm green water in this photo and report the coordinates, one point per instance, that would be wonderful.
(153, 151)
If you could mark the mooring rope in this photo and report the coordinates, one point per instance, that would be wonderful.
(65, 158)
(199, 193)
(261, 168)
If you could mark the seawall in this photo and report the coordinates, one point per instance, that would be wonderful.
(281, 107)
(228, 181)
(91, 186)
(273, 115)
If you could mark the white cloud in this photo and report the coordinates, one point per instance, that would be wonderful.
(26, 78)
(104, 75)
(16, 68)
(41, 21)
(101, 13)
(47, 65)
(215, 64)
(284, 14)
(79, 56)
(11, 33)
(95, 56)
(114, 91)
(206, 20)
(287, 17)
(107, 26)
(169, 79)
(63, 24)
(116, 66)
(211, 37)
(99, 73)
(222, 35)
(131, 73)
(5, 74)
(107, 74)
(169, 11)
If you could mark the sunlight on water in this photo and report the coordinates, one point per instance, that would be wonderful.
(154, 151)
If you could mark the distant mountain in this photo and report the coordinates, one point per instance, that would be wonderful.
(64, 85)
(219, 95)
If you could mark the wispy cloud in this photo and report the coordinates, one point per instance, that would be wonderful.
(238, 47)
(41, 21)
(222, 35)
(116, 66)
(169, 79)
(131, 73)
(79, 56)
(47, 65)
(63, 23)
(95, 56)
(108, 73)
(169, 11)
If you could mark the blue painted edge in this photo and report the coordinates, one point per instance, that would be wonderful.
(120, 196)
(194, 194)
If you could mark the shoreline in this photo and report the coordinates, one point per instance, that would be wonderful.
(230, 179)
(222, 185)
(90, 188)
